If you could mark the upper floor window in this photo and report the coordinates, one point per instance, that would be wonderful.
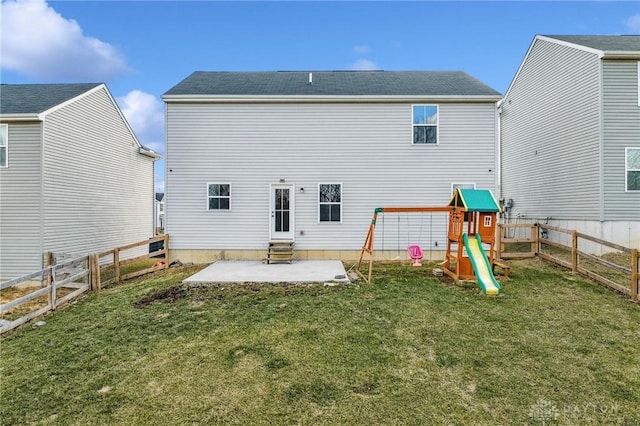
(425, 124)
(219, 196)
(4, 145)
(632, 168)
(330, 202)
(455, 186)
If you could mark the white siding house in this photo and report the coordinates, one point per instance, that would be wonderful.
(570, 136)
(307, 156)
(73, 177)
(159, 216)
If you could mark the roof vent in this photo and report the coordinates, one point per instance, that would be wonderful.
(310, 78)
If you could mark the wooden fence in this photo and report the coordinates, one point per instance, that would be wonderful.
(525, 237)
(113, 260)
(52, 279)
(79, 275)
(537, 238)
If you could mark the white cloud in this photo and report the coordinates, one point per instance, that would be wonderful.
(39, 42)
(145, 114)
(364, 65)
(362, 49)
(633, 24)
(159, 187)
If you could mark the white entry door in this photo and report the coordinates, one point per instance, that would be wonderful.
(282, 212)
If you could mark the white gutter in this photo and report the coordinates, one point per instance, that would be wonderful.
(613, 54)
(21, 117)
(149, 153)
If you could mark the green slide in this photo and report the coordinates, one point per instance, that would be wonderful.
(486, 280)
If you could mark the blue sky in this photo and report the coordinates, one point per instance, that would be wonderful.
(141, 49)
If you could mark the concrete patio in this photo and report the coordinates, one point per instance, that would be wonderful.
(245, 271)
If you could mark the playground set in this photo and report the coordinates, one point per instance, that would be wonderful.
(472, 225)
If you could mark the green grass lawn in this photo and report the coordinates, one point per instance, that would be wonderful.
(407, 349)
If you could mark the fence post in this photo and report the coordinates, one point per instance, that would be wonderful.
(499, 242)
(635, 276)
(166, 251)
(535, 243)
(87, 266)
(116, 264)
(94, 268)
(48, 261)
(49, 280)
(574, 251)
(52, 289)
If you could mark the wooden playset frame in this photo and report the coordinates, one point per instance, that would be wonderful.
(462, 219)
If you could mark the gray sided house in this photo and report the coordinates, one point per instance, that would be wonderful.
(73, 177)
(570, 136)
(254, 157)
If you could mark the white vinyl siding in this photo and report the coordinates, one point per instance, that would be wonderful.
(551, 134)
(98, 188)
(20, 201)
(621, 130)
(364, 146)
(4, 145)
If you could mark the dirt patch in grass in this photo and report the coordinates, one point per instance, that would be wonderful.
(221, 291)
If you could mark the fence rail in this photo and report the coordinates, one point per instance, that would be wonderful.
(118, 262)
(578, 261)
(54, 278)
(78, 275)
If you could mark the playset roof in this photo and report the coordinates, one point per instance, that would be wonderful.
(475, 200)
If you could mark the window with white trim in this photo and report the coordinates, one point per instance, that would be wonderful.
(218, 196)
(466, 185)
(330, 202)
(632, 168)
(4, 145)
(424, 120)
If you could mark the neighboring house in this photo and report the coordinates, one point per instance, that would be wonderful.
(159, 208)
(570, 125)
(254, 157)
(73, 177)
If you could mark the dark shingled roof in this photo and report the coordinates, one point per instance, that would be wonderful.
(619, 43)
(37, 98)
(332, 83)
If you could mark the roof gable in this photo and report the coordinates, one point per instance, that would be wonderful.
(332, 83)
(38, 98)
(607, 47)
(475, 200)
